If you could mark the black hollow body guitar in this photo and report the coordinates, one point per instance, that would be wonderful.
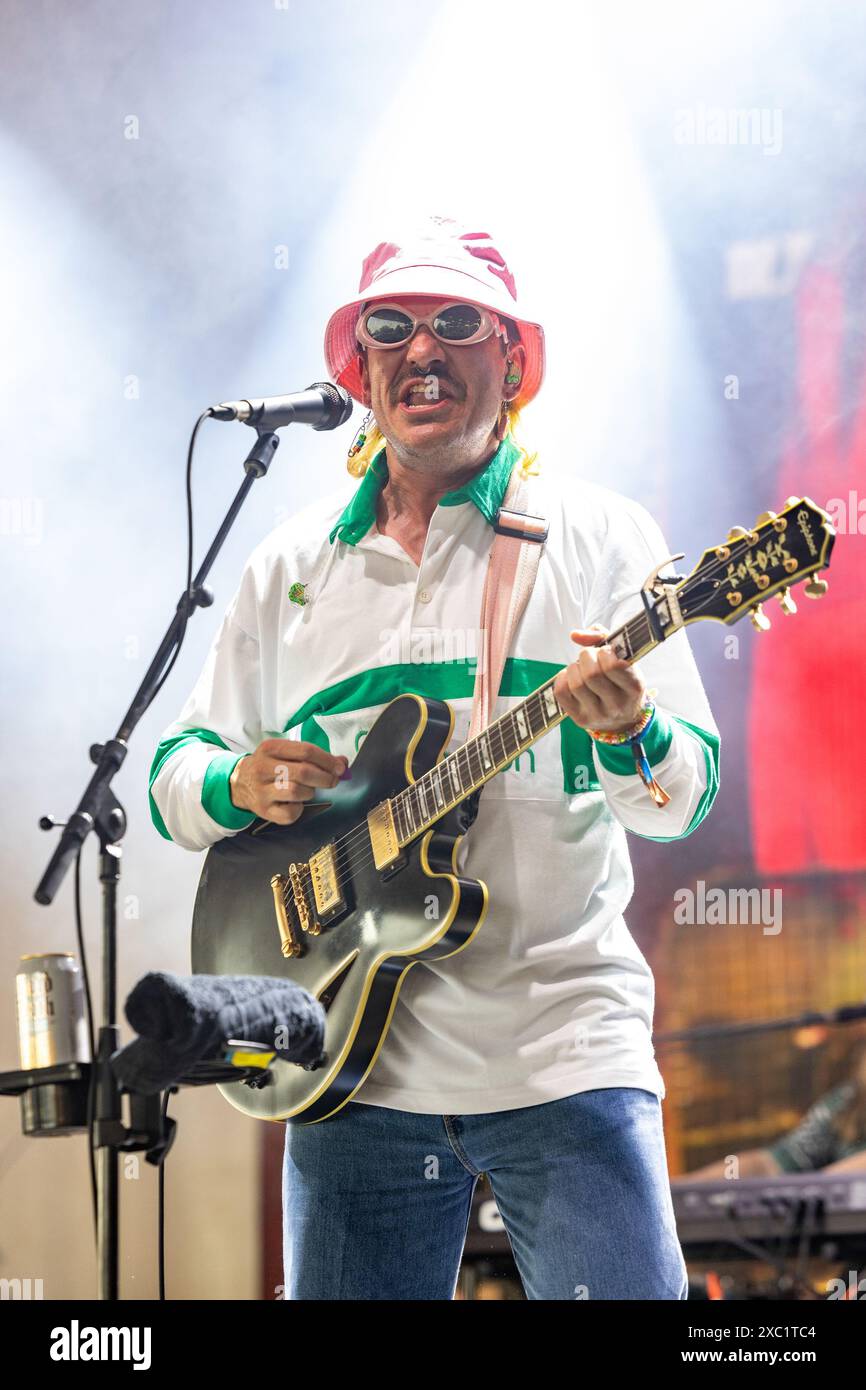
(363, 885)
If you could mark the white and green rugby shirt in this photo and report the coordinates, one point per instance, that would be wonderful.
(553, 996)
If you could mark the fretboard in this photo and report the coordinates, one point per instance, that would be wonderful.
(475, 762)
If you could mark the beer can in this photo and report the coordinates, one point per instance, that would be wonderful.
(52, 1026)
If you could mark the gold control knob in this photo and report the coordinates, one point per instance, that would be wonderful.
(760, 621)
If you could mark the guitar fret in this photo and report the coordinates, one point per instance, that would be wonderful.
(497, 732)
(514, 724)
(455, 776)
(639, 634)
(438, 795)
(485, 753)
(535, 715)
(472, 764)
(472, 757)
(620, 643)
(505, 731)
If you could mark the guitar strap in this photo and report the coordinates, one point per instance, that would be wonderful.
(511, 571)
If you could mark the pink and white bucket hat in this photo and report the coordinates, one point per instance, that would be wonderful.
(441, 260)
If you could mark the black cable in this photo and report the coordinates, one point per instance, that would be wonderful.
(91, 1088)
(189, 547)
(163, 1110)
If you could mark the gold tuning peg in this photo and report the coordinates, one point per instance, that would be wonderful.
(792, 501)
(736, 532)
(786, 603)
(816, 588)
(765, 516)
(760, 621)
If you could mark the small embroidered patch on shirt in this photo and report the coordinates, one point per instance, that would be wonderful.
(297, 595)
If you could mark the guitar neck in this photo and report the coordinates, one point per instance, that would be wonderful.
(459, 774)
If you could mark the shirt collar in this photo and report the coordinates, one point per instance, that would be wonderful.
(486, 490)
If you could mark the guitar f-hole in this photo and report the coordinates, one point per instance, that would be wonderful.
(329, 994)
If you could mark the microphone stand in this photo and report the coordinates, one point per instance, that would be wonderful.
(101, 812)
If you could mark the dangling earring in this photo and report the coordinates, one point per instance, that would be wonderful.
(502, 422)
(361, 437)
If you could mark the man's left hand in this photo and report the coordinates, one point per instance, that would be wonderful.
(600, 690)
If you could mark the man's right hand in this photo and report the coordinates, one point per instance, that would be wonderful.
(276, 780)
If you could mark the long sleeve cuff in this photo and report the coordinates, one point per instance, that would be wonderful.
(685, 761)
(189, 790)
(618, 757)
(216, 795)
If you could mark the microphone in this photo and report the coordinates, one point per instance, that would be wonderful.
(323, 405)
(186, 1019)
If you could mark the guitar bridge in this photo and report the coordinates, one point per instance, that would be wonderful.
(289, 943)
(302, 903)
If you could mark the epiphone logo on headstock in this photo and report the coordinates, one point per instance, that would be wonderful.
(756, 561)
(803, 521)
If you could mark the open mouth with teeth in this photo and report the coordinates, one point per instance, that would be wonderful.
(417, 400)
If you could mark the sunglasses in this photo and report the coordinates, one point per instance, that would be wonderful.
(460, 324)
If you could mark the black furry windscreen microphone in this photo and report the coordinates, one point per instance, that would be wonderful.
(186, 1019)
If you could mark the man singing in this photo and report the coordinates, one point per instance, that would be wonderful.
(527, 1055)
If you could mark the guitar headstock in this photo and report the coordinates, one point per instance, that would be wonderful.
(749, 567)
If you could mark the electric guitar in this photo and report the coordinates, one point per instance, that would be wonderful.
(336, 902)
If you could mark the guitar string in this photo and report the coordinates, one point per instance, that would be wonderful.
(346, 858)
(361, 832)
(343, 856)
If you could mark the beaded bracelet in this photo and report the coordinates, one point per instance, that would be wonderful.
(635, 736)
(637, 730)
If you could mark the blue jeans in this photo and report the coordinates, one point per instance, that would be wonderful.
(376, 1201)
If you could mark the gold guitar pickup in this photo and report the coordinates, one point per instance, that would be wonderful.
(325, 877)
(383, 835)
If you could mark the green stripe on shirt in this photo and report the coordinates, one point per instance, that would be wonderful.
(446, 680)
(215, 796)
